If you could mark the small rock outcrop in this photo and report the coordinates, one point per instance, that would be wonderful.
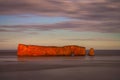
(91, 52)
(33, 50)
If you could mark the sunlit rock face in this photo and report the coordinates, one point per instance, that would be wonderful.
(32, 50)
(91, 52)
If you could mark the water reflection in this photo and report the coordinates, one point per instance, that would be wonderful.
(56, 58)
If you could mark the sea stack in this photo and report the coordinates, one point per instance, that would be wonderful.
(91, 52)
(34, 50)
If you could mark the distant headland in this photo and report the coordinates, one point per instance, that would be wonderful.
(70, 50)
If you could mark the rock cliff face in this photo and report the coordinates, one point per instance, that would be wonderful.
(32, 50)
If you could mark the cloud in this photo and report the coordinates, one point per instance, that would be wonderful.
(11, 29)
(80, 26)
(93, 39)
(3, 30)
(3, 40)
(94, 16)
(80, 9)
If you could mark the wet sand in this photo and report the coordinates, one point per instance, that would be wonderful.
(60, 68)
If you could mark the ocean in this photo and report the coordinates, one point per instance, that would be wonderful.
(105, 65)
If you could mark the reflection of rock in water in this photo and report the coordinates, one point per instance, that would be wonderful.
(72, 54)
(32, 50)
(91, 52)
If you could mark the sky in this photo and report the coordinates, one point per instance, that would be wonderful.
(88, 23)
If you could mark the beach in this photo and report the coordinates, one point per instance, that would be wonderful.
(102, 66)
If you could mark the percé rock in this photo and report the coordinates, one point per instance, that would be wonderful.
(91, 52)
(33, 50)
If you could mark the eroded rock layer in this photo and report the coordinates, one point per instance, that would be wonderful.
(32, 50)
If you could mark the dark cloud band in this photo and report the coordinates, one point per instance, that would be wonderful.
(80, 26)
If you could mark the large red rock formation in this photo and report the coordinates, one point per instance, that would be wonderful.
(32, 50)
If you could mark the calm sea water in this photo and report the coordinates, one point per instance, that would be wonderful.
(9, 55)
(105, 65)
